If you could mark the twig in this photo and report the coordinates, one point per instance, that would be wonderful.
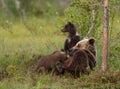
(92, 23)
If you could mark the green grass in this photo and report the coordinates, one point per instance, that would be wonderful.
(20, 45)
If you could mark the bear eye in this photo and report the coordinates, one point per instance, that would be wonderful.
(78, 45)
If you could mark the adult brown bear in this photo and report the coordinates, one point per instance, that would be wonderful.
(83, 55)
(89, 47)
(77, 63)
(47, 63)
(73, 36)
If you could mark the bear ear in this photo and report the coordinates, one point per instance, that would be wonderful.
(92, 41)
(69, 22)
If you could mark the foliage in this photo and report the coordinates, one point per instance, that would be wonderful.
(19, 53)
(80, 13)
(11, 70)
(38, 8)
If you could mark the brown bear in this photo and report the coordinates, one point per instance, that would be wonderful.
(47, 63)
(89, 47)
(77, 63)
(73, 36)
(83, 55)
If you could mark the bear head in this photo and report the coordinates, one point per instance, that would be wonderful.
(85, 44)
(70, 28)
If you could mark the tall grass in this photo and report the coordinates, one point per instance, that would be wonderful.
(35, 37)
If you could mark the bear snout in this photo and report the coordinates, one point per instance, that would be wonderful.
(63, 30)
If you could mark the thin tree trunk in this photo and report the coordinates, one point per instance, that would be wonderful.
(5, 8)
(105, 37)
(17, 4)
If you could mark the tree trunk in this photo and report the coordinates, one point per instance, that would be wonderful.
(5, 8)
(17, 4)
(105, 37)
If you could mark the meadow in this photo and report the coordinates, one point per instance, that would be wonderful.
(22, 44)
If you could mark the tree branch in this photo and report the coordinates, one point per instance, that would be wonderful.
(92, 22)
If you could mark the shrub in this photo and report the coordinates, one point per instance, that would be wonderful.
(80, 12)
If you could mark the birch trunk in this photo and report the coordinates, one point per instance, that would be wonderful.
(5, 8)
(105, 37)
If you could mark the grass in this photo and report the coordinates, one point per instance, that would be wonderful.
(21, 44)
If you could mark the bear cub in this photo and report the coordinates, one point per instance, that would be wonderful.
(47, 63)
(73, 36)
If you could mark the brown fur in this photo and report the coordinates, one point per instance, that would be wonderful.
(47, 63)
(77, 63)
(58, 68)
(89, 47)
(83, 55)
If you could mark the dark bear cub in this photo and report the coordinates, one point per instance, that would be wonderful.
(47, 63)
(73, 36)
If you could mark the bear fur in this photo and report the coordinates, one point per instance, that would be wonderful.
(77, 63)
(47, 63)
(73, 36)
(88, 45)
(58, 68)
(83, 56)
